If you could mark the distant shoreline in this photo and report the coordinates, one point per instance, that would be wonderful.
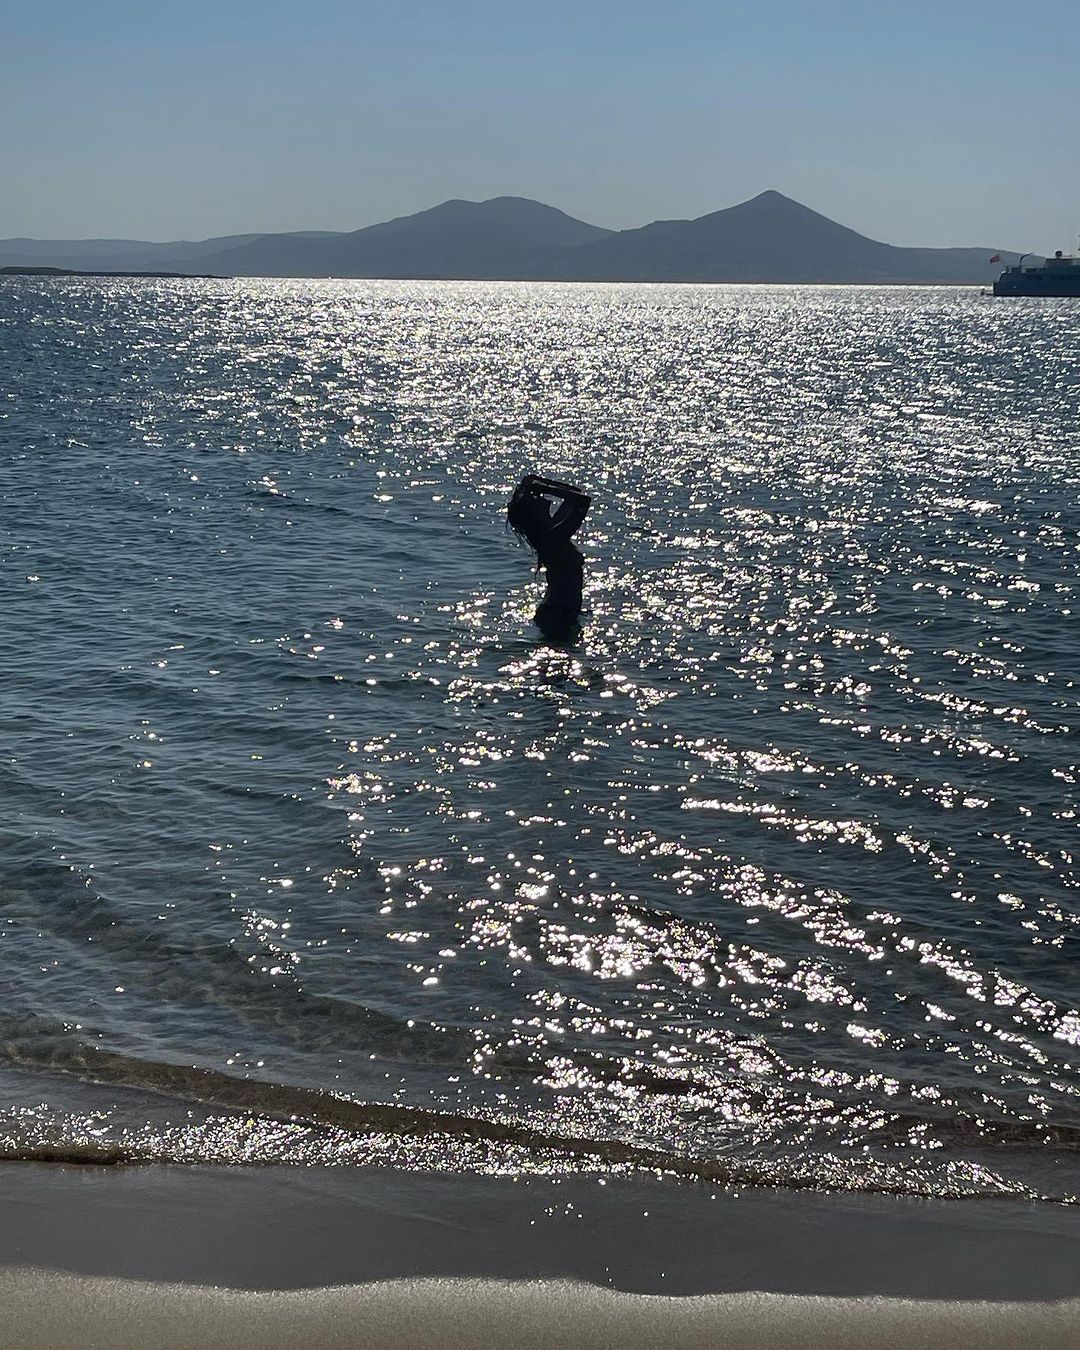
(62, 272)
(72, 272)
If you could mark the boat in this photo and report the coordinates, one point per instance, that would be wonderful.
(1059, 275)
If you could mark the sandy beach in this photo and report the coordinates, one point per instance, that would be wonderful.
(185, 1257)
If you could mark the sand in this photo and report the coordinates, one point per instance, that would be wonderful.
(185, 1257)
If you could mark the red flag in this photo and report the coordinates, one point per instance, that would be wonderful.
(996, 257)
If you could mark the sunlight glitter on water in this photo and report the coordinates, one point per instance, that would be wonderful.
(776, 866)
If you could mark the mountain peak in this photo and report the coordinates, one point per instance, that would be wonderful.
(515, 212)
(774, 200)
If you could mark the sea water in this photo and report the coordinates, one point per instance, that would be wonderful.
(314, 851)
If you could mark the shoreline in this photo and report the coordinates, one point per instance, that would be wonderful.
(130, 276)
(182, 1256)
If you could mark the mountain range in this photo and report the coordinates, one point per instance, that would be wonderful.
(769, 238)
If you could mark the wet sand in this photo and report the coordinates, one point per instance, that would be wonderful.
(268, 1257)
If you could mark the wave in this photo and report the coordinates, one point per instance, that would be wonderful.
(344, 1123)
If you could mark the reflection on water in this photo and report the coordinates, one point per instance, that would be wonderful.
(770, 876)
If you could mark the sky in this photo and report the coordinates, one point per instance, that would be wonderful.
(946, 123)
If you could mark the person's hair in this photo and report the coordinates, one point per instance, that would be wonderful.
(518, 517)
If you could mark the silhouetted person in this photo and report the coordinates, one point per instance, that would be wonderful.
(550, 533)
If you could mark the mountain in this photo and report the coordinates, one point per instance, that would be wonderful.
(496, 238)
(127, 254)
(769, 238)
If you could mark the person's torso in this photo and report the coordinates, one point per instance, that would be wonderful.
(564, 567)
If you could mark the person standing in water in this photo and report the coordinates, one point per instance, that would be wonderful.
(550, 534)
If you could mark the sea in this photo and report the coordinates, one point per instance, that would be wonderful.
(314, 852)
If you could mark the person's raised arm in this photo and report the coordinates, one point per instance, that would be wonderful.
(551, 487)
(572, 510)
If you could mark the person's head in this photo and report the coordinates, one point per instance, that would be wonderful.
(525, 512)
(519, 510)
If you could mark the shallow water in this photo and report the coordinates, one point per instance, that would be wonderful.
(306, 833)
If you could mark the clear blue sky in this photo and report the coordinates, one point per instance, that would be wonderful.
(917, 123)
